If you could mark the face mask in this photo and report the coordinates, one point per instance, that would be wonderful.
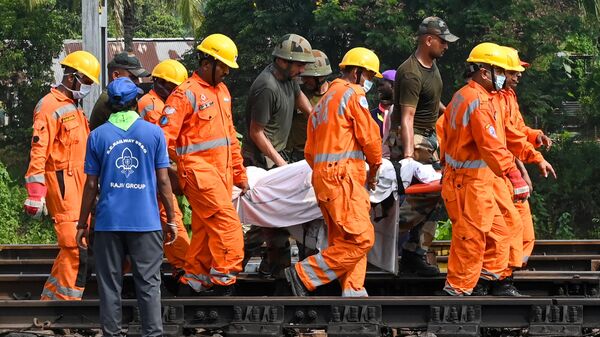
(367, 85)
(84, 90)
(499, 83)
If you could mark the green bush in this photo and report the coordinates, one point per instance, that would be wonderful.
(15, 226)
(569, 207)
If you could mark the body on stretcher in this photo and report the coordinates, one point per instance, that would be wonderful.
(284, 197)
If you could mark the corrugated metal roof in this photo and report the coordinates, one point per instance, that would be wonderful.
(149, 51)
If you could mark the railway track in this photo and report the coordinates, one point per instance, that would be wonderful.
(562, 283)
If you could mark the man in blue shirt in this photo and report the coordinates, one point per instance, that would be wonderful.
(127, 159)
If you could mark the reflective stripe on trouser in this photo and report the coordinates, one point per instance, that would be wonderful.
(528, 229)
(217, 245)
(478, 242)
(512, 220)
(175, 252)
(350, 237)
(68, 275)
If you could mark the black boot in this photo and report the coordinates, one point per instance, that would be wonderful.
(298, 288)
(412, 262)
(505, 287)
(482, 288)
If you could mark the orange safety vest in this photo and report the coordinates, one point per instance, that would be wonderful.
(198, 125)
(150, 107)
(60, 132)
(341, 131)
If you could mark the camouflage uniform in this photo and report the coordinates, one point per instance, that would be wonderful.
(418, 210)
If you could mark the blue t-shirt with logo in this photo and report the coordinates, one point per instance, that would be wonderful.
(126, 163)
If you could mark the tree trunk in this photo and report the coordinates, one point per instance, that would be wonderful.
(128, 24)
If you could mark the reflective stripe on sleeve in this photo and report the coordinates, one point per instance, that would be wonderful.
(36, 178)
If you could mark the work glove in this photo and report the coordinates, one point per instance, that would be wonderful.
(520, 187)
(35, 205)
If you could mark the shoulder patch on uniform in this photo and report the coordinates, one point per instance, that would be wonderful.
(163, 120)
(169, 110)
(491, 130)
(363, 102)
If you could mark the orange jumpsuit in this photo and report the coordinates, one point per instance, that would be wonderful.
(514, 118)
(473, 156)
(150, 107)
(60, 132)
(198, 125)
(340, 134)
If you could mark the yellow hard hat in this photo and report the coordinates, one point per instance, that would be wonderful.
(514, 62)
(221, 48)
(85, 63)
(489, 53)
(362, 57)
(171, 71)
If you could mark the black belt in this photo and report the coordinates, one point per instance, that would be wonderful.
(425, 132)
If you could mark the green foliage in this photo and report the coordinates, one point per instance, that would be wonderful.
(443, 231)
(153, 18)
(566, 207)
(15, 226)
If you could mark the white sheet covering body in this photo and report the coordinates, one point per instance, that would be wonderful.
(284, 197)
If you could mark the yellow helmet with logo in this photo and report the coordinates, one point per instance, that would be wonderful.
(171, 71)
(514, 62)
(85, 63)
(489, 53)
(362, 57)
(221, 47)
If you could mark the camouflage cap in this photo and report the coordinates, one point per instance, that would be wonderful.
(321, 67)
(293, 47)
(436, 26)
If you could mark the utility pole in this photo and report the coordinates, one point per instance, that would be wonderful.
(94, 19)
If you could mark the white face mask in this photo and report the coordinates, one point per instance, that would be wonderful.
(499, 83)
(84, 90)
(367, 85)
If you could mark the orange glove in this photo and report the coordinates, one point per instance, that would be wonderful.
(35, 204)
(520, 187)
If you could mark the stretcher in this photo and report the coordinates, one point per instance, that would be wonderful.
(284, 198)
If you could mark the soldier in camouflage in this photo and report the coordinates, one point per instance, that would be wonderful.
(274, 97)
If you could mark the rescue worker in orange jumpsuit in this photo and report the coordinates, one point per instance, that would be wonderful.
(534, 136)
(340, 134)
(474, 154)
(197, 121)
(167, 75)
(55, 175)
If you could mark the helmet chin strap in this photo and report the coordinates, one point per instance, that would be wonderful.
(359, 72)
